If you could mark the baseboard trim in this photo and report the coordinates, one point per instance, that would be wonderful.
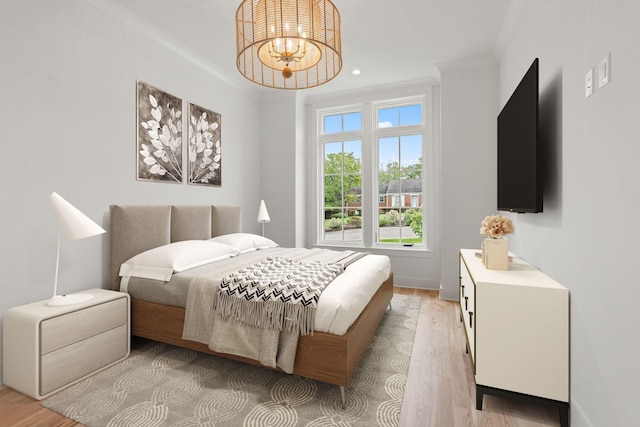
(450, 294)
(415, 283)
(578, 417)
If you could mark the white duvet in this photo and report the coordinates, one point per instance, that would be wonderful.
(344, 299)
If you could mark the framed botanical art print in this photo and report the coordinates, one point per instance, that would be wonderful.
(204, 153)
(159, 137)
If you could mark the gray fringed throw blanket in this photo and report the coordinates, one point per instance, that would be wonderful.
(275, 293)
(272, 347)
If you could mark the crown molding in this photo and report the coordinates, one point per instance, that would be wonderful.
(467, 63)
(508, 25)
(156, 34)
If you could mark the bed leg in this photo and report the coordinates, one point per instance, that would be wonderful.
(343, 396)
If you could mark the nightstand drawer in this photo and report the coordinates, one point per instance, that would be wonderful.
(63, 366)
(70, 328)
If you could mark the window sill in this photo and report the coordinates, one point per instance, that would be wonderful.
(410, 251)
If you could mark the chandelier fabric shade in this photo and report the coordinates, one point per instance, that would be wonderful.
(288, 44)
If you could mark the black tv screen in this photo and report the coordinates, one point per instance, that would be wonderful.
(519, 163)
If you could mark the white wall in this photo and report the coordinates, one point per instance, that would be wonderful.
(587, 236)
(67, 120)
(302, 149)
(278, 157)
(283, 159)
(468, 116)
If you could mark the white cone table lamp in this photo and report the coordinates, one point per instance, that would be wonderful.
(74, 225)
(263, 215)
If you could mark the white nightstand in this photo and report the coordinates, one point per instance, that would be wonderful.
(45, 349)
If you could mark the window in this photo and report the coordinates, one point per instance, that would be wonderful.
(371, 185)
(400, 116)
(342, 178)
(342, 123)
(399, 135)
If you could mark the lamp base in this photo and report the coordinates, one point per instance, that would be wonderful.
(62, 300)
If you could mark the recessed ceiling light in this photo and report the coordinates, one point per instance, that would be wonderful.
(355, 72)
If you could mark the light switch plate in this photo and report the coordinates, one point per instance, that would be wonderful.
(604, 70)
(588, 83)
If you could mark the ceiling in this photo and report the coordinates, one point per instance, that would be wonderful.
(388, 40)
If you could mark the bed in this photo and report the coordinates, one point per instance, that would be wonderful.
(134, 229)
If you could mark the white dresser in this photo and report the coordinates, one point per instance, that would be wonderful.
(517, 327)
(47, 348)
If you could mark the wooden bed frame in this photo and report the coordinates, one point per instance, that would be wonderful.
(133, 229)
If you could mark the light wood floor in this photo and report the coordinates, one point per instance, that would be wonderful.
(440, 388)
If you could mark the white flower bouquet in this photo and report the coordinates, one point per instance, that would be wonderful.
(496, 226)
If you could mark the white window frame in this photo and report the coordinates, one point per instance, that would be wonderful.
(367, 101)
(398, 201)
(323, 138)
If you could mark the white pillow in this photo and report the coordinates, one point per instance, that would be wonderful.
(161, 262)
(245, 242)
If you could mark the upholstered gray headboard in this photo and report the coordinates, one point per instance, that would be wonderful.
(137, 228)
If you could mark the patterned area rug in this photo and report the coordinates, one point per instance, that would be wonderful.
(170, 386)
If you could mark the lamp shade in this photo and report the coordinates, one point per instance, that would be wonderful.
(288, 44)
(263, 214)
(73, 223)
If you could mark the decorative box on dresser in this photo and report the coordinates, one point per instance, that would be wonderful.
(517, 327)
(45, 349)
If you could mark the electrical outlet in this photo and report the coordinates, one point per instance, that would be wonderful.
(604, 70)
(588, 83)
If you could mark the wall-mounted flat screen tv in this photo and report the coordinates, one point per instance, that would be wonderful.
(519, 160)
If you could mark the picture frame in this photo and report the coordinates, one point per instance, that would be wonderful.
(204, 157)
(159, 135)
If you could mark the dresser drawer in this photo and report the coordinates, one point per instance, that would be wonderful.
(62, 331)
(63, 366)
(468, 308)
(467, 289)
(468, 292)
